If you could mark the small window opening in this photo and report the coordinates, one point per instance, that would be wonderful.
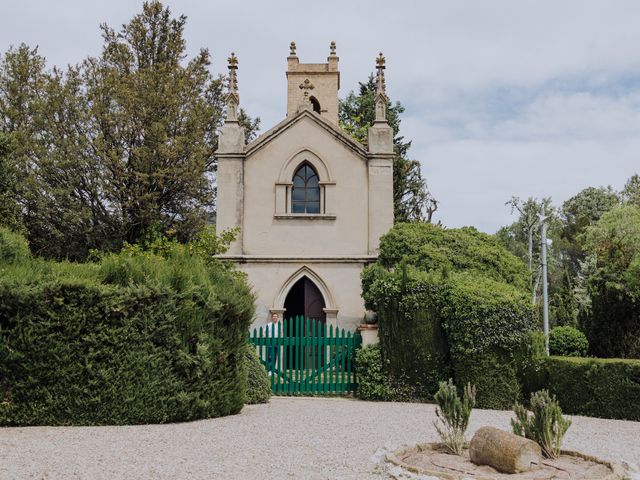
(316, 104)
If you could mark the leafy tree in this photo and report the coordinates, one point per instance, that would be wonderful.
(119, 148)
(613, 283)
(10, 215)
(580, 212)
(526, 230)
(411, 198)
(631, 191)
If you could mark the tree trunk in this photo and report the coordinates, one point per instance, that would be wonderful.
(504, 451)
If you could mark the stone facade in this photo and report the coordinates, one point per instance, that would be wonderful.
(351, 198)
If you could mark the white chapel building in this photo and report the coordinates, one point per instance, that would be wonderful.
(310, 202)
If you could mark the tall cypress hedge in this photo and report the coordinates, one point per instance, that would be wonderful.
(135, 338)
(451, 303)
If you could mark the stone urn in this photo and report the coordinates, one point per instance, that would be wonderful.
(369, 333)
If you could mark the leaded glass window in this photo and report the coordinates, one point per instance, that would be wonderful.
(305, 193)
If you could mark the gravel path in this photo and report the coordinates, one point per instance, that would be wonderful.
(290, 438)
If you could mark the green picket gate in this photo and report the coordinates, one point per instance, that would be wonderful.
(311, 358)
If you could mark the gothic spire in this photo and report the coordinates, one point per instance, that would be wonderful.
(381, 94)
(232, 99)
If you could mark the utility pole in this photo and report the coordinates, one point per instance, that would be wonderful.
(543, 264)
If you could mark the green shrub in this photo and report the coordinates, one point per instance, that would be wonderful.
(453, 414)
(258, 385)
(487, 323)
(137, 338)
(545, 425)
(450, 303)
(567, 341)
(494, 374)
(433, 248)
(608, 388)
(13, 247)
(373, 381)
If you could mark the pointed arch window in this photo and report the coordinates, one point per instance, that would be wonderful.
(305, 193)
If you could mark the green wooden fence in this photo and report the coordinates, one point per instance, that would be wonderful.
(305, 357)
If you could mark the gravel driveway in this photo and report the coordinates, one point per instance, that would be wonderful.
(305, 438)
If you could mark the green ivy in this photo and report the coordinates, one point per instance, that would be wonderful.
(450, 303)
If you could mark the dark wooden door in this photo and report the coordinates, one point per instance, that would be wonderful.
(313, 310)
(313, 301)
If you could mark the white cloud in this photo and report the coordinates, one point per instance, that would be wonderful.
(474, 178)
(527, 97)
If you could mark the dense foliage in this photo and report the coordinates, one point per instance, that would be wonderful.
(139, 337)
(411, 198)
(10, 215)
(373, 380)
(567, 341)
(119, 148)
(613, 284)
(607, 388)
(431, 247)
(593, 280)
(455, 305)
(258, 385)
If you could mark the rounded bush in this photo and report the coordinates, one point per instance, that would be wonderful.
(567, 341)
(258, 386)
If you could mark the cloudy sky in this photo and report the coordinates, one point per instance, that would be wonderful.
(527, 98)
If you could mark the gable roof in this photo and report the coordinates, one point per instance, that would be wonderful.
(288, 122)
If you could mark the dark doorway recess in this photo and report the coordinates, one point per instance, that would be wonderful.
(304, 300)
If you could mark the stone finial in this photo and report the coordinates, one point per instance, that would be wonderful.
(381, 94)
(232, 99)
(380, 61)
(332, 48)
(306, 88)
(292, 49)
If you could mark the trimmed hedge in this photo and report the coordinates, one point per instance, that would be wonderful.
(258, 384)
(413, 343)
(488, 324)
(136, 338)
(494, 373)
(450, 303)
(596, 387)
(466, 326)
(432, 247)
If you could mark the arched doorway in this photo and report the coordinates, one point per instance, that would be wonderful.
(304, 301)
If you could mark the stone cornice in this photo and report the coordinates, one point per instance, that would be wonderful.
(296, 259)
